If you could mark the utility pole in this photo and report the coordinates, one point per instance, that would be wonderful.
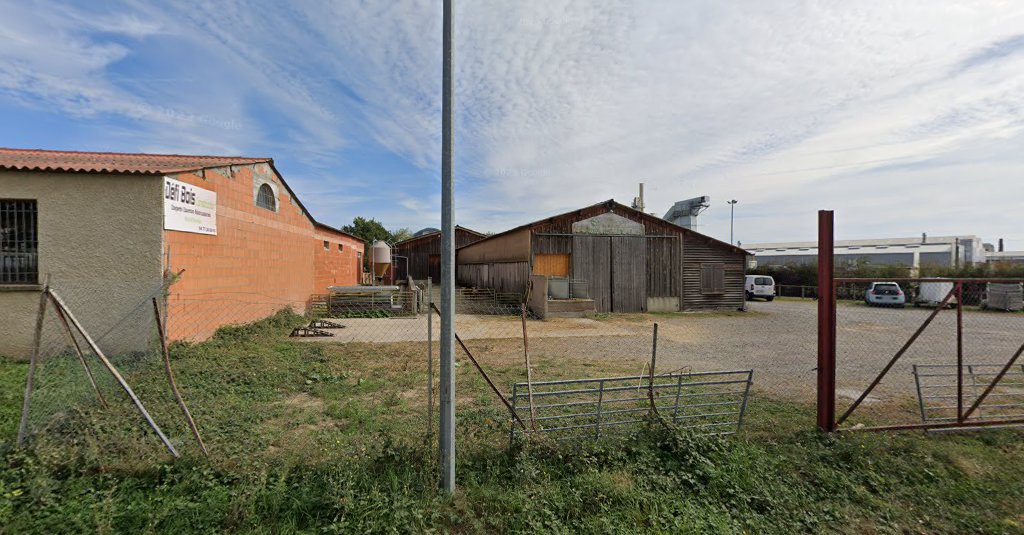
(732, 212)
(446, 437)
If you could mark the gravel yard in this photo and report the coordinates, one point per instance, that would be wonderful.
(777, 340)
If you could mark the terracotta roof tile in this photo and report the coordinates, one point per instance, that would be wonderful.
(113, 162)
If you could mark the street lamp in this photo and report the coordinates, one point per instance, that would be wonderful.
(732, 212)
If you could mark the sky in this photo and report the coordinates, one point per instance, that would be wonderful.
(903, 117)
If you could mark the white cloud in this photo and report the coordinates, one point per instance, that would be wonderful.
(904, 117)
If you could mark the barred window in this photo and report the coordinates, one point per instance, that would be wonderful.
(19, 242)
(265, 198)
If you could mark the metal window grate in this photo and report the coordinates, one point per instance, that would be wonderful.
(265, 198)
(19, 242)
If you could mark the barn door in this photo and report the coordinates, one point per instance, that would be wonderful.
(629, 275)
(434, 267)
(591, 262)
(614, 268)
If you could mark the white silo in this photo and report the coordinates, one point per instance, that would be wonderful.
(380, 258)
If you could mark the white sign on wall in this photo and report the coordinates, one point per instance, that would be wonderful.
(188, 208)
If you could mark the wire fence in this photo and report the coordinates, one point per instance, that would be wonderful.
(587, 369)
(901, 343)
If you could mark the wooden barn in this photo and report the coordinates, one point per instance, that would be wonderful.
(420, 256)
(629, 261)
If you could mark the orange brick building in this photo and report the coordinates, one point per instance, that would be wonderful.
(247, 244)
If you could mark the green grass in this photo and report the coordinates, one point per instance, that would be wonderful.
(329, 438)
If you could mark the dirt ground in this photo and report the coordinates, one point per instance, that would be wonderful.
(777, 340)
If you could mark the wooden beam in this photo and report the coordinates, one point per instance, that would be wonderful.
(113, 371)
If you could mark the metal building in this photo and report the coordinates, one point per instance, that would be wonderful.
(629, 261)
(913, 253)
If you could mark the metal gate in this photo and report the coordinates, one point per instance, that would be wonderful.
(703, 402)
(958, 343)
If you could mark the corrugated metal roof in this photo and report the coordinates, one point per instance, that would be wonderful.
(113, 162)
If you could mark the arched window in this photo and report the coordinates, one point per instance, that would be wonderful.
(265, 198)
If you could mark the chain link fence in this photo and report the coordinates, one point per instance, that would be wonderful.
(323, 346)
(918, 351)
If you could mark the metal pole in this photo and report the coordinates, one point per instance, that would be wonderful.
(447, 426)
(826, 324)
(959, 351)
(732, 212)
(430, 362)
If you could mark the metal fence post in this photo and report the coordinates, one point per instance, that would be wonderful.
(679, 391)
(430, 363)
(447, 423)
(512, 421)
(743, 404)
(826, 323)
(600, 401)
(960, 351)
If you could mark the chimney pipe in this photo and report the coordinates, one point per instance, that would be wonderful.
(1000, 245)
(638, 202)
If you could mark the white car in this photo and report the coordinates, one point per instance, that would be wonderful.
(760, 286)
(884, 294)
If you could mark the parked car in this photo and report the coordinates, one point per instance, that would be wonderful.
(885, 294)
(760, 286)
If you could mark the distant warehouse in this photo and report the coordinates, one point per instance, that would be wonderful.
(623, 259)
(106, 226)
(913, 253)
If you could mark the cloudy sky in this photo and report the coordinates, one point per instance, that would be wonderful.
(905, 117)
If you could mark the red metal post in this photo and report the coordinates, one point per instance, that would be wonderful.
(826, 324)
(960, 351)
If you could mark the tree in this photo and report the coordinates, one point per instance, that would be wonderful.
(401, 234)
(367, 229)
(370, 230)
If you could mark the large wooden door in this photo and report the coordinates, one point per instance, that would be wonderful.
(615, 270)
(434, 267)
(629, 274)
(592, 262)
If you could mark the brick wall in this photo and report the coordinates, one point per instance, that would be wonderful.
(259, 262)
(334, 265)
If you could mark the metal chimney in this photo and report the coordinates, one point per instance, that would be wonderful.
(638, 202)
(1000, 245)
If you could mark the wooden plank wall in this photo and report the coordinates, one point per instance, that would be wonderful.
(701, 251)
(503, 277)
(629, 278)
(592, 263)
(664, 267)
(419, 251)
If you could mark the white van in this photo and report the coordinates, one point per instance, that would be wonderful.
(760, 286)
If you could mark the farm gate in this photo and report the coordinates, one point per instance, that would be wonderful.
(917, 353)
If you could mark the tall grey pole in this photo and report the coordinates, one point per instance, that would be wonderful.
(447, 357)
(732, 212)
